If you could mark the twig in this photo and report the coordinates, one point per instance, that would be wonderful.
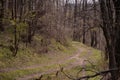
(67, 75)
(79, 72)
(93, 66)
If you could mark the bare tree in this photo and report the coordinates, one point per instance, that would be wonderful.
(110, 14)
(93, 32)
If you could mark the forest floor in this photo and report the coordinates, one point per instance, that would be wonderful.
(82, 57)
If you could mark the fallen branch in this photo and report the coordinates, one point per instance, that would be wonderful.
(90, 76)
(97, 74)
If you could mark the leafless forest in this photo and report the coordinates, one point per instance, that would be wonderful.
(37, 25)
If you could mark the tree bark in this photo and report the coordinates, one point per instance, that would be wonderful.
(1, 14)
(110, 12)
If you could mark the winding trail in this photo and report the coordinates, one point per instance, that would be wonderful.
(75, 56)
(78, 61)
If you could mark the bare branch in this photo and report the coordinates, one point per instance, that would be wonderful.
(97, 74)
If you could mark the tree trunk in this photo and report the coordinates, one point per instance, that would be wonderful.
(75, 22)
(110, 12)
(1, 14)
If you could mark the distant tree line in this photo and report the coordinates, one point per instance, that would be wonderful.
(21, 20)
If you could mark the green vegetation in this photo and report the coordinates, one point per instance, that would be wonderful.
(26, 57)
(36, 37)
(73, 73)
(30, 56)
(27, 62)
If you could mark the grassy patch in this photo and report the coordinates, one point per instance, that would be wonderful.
(14, 74)
(74, 73)
(47, 62)
(26, 57)
(20, 73)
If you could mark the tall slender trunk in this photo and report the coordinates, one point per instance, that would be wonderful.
(84, 7)
(1, 14)
(75, 22)
(93, 32)
(15, 29)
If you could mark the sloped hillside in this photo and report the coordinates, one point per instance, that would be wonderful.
(28, 65)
